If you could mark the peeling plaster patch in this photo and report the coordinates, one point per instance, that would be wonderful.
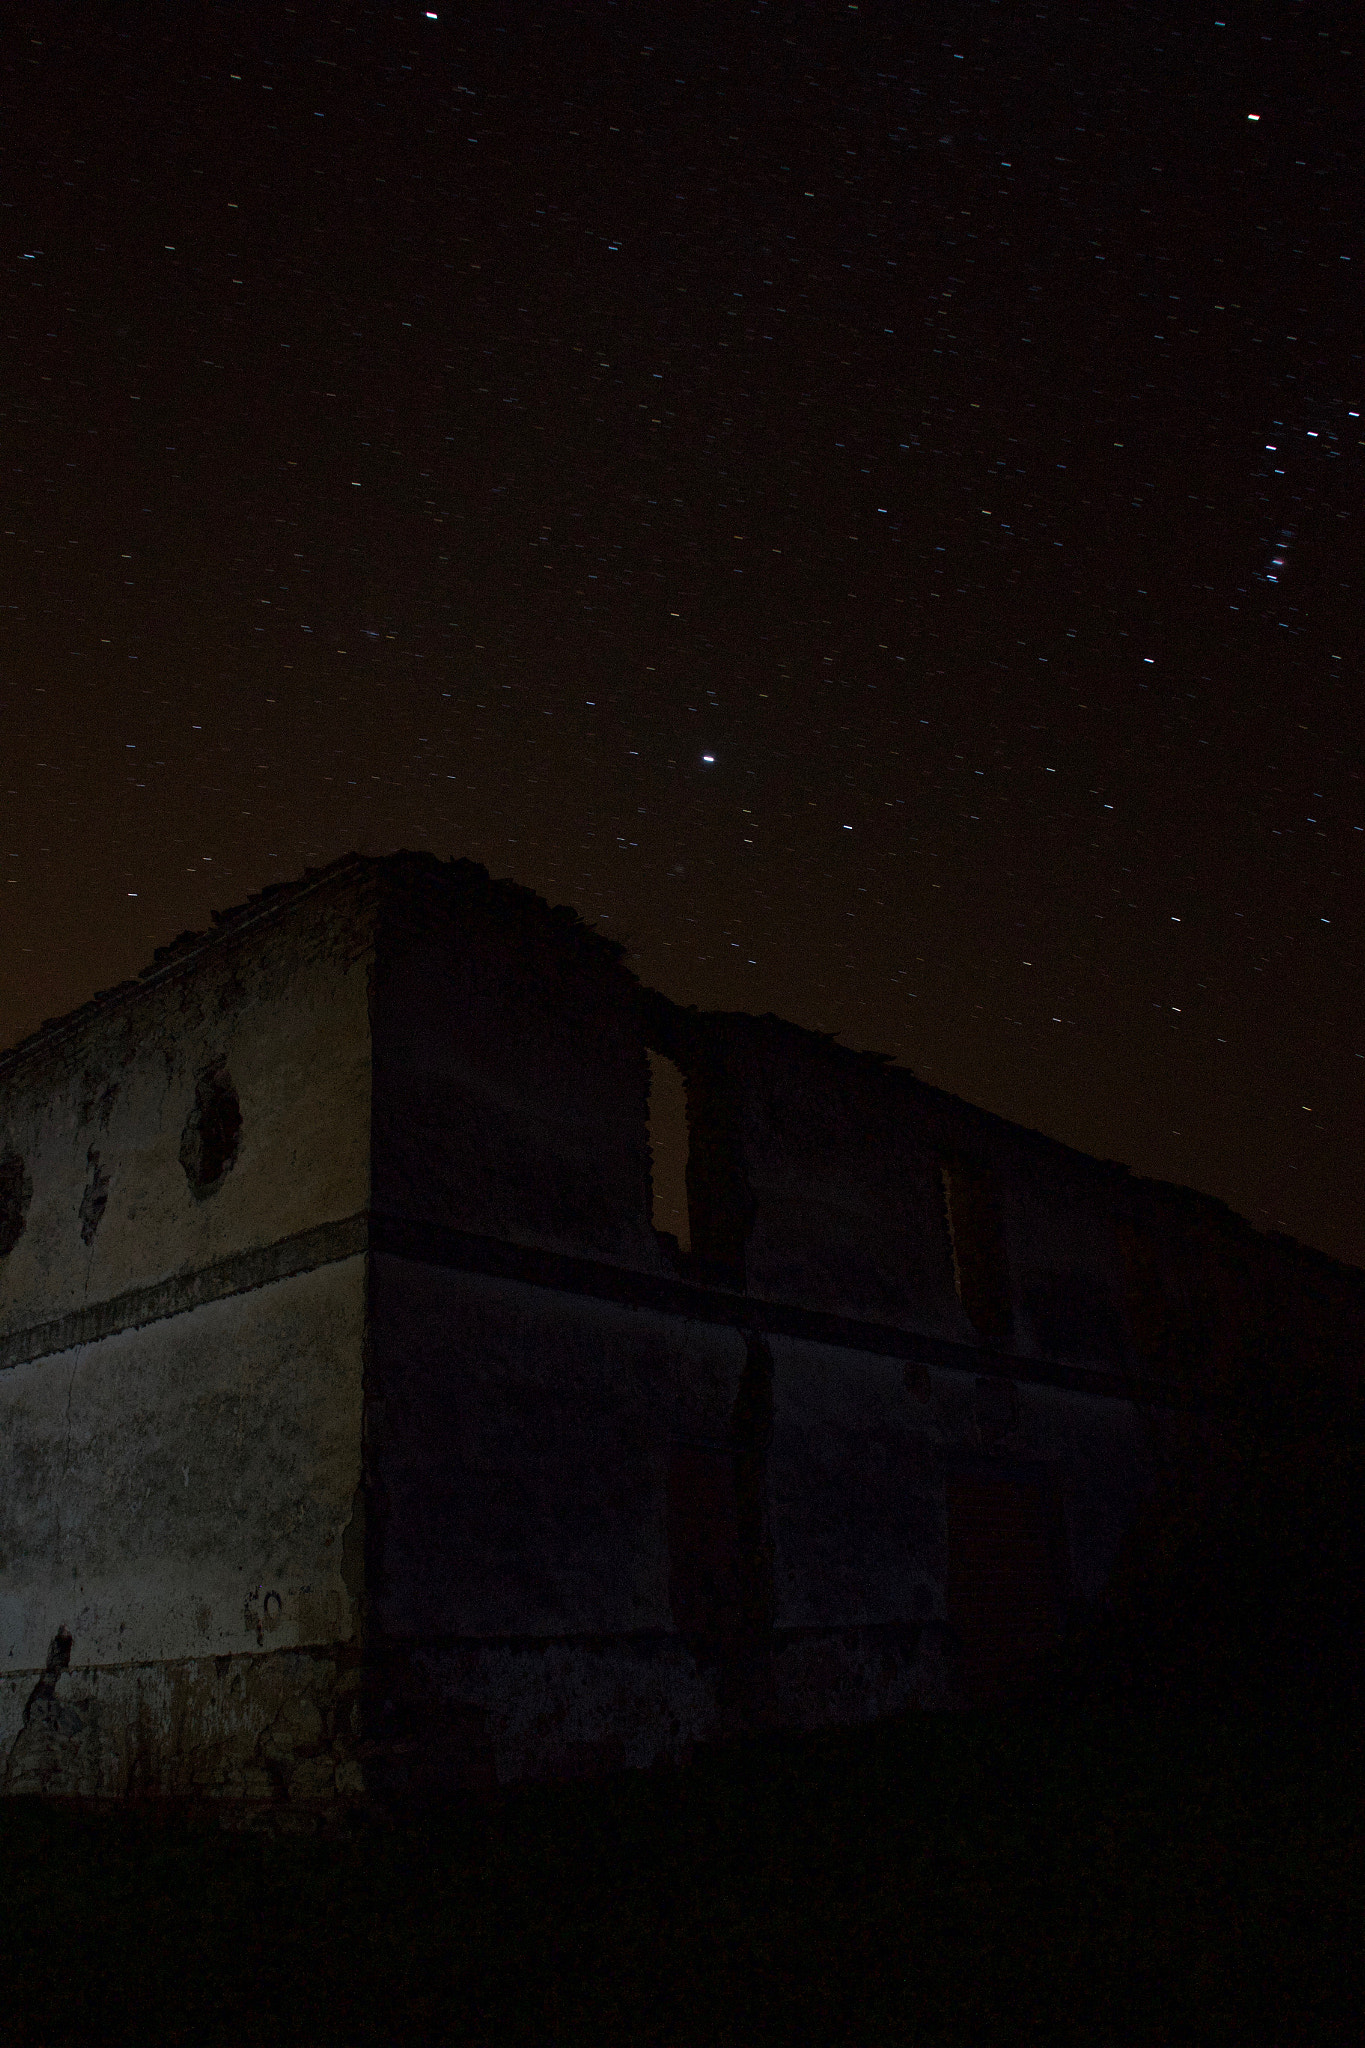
(48, 1734)
(212, 1135)
(16, 1192)
(58, 1660)
(262, 1739)
(95, 1199)
(99, 1103)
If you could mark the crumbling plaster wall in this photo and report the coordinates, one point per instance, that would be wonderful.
(862, 1448)
(519, 1439)
(283, 1008)
(276, 1736)
(519, 1442)
(847, 1196)
(528, 1434)
(381, 1521)
(1063, 1257)
(860, 1455)
(180, 1398)
(842, 1159)
(511, 1084)
(857, 1490)
(184, 1489)
(178, 1509)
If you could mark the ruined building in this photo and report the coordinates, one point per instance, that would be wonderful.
(361, 1436)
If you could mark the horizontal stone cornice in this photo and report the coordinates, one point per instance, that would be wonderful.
(179, 1293)
(429, 1244)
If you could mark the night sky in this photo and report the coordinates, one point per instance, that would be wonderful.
(863, 502)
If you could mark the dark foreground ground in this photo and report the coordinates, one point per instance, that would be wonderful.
(1100, 1876)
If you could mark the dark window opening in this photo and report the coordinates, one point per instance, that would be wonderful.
(700, 1194)
(976, 1233)
(668, 1150)
(720, 1207)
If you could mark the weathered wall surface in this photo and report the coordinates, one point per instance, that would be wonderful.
(857, 1482)
(510, 1081)
(358, 1435)
(265, 1734)
(184, 1172)
(1064, 1265)
(521, 1577)
(97, 1114)
(173, 1495)
(846, 1188)
(617, 1595)
(1097, 1452)
(158, 1487)
(863, 1449)
(572, 1566)
(521, 1440)
(534, 1708)
(840, 1162)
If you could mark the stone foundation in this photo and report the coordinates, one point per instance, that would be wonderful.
(278, 1730)
(295, 1736)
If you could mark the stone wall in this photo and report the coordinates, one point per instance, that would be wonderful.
(183, 1315)
(841, 1168)
(510, 1078)
(216, 1107)
(361, 1439)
